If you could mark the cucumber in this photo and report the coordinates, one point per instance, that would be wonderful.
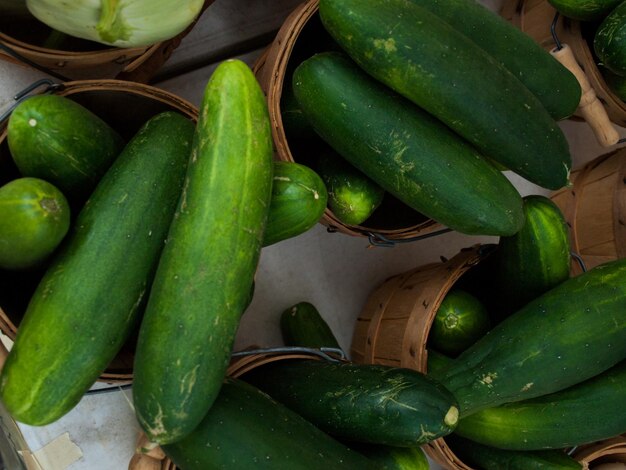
(459, 322)
(352, 196)
(444, 72)
(302, 325)
(90, 298)
(361, 402)
(58, 140)
(586, 412)
(205, 273)
(403, 149)
(534, 260)
(555, 86)
(616, 83)
(569, 334)
(298, 201)
(490, 458)
(609, 41)
(247, 429)
(437, 362)
(34, 218)
(393, 458)
(295, 123)
(584, 10)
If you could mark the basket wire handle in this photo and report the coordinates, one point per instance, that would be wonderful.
(590, 106)
(26, 92)
(377, 239)
(21, 58)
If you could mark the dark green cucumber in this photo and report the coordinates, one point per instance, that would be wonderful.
(459, 322)
(555, 86)
(295, 123)
(58, 140)
(205, 274)
(302, 325)
(584, 10)
(393, 458)
(352, 196)
(247, 429)
(609, 42)
(299, 199)
(34, 218)
(490, 458)
(586, 412)
(361, 402)
(534, 260)
(569, 334)
(437, 362)
(89, 300)
(444, 72)
(405, 150)
(616, 83)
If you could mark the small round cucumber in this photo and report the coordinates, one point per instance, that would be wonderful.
(609, 42)
(34, 218)
(584, 10)
(459, 322)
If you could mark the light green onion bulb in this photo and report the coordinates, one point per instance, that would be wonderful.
(119, 23)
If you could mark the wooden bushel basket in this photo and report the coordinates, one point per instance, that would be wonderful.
(111, 100)
(393, 327)
(603, 452)
(134, 63)
(595, 210)
(271, 70)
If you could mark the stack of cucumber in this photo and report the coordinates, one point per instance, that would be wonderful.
(432, 109)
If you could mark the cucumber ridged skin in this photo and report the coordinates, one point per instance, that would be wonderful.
(58, 140)
(34, 219)
(247, 429)
(490, 458)
(441, 70)
(74, 326)
(299, 198)
(586, 412)
(535, 259)
(405, 150)
(205, 273)
(584, 10)
(555, 86)
(302, 325)
(609, 42)
(361, 402)
(569, 334)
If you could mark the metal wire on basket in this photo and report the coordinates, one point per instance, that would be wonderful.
(26, 92)
(21, 58)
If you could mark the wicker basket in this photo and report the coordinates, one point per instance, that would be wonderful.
(608, 451)
(595, 210)
(135, 63)
(271, 69)
(111, 100)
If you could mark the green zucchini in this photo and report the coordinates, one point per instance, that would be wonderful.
(299, 198)
(302, 325)
(491, 458)
(393, 458)
(403, 149)
(205, 273)
(58, 140)
(586, 412)
(569, 334)
(91, 296)
(555, 86)
(534, 260)
(247, 429)
(584, 10)
(352, 196)
(361, 402)
(34, 218)
(609, 41)
(444, 72)
(459, 322)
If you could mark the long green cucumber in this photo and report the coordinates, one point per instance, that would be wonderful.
(587, 412)
(444, 72)
(609, 41)
(299, 199)
(405, 150)
(569, 334)
(584, 10)
(247, 429)
(393, 458)
(90, 297)
(205, 274)
(555, 86)
(491, 458)
(34, 218)
(58, 140)
(302, 325)
(361, 402)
